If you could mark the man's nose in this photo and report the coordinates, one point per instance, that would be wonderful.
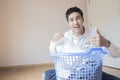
(75, 22)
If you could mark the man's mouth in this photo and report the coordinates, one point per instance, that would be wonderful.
(76, 26)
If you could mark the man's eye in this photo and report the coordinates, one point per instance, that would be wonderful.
(78, 17)
(71, 20)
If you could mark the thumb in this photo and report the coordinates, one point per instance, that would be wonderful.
(96, 30)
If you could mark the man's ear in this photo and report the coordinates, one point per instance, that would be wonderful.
(83, 19)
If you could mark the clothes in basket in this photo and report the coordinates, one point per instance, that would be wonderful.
(77, 66)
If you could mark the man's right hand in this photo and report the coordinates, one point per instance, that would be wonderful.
(57, 37)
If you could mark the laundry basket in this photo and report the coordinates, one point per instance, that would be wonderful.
(79, 66)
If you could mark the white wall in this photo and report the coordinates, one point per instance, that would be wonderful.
(26, 27)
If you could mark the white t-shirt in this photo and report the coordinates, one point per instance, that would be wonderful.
(71, 43)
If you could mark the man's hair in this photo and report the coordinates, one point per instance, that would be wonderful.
(73, 9)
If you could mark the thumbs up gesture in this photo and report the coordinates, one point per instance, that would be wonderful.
(98, 40)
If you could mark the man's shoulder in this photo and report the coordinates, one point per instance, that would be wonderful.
(68, 33)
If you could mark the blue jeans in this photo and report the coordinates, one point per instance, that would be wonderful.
(50, 75)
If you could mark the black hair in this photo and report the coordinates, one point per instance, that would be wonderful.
(73, 9)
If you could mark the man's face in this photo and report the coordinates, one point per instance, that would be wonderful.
(76, 22)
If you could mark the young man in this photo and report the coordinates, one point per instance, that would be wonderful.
(78, 36)
(78, 33)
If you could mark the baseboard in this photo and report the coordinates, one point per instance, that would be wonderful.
(26, 66)
(35, 65)
(111, 67)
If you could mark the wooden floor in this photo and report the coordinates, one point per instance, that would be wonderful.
(34, 72)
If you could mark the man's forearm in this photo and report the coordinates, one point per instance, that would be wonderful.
(114, 50)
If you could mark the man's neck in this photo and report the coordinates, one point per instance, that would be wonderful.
(79, 33)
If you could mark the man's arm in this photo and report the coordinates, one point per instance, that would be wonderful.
(99, 41)
(114, 50)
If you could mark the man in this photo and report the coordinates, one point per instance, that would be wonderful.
(78, 36)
